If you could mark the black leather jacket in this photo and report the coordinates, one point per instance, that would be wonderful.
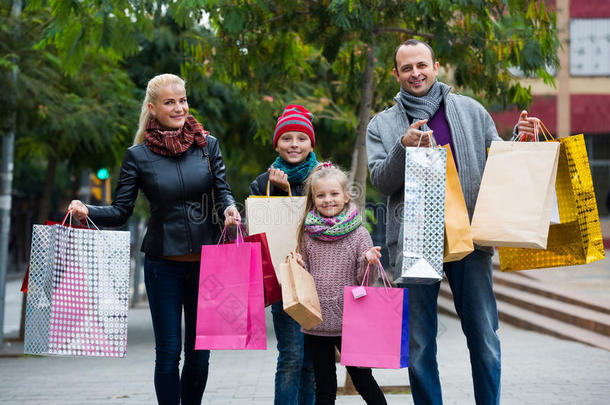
(179, 194)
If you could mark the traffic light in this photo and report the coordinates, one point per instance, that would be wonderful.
(103, 174)
(99, 185)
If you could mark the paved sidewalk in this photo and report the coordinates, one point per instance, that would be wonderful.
(537, 369)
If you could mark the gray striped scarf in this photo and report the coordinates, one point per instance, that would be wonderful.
(424, 107)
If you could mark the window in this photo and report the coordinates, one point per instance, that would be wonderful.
(590, 47)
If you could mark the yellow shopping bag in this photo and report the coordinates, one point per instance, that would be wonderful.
(577, 239)
(458, 239)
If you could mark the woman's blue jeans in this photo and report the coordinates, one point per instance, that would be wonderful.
(294, 376)
(471, 283)
(171, 287)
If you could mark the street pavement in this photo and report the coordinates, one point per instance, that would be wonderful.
(536, 369)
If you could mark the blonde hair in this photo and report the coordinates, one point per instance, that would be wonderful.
(153, 88)
(321, 171)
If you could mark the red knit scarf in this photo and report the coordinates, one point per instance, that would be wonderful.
(174, 142)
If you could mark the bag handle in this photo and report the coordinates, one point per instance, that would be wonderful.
(433, 143)
(539, 127)
(269, 183)
(383, 274)
(84, 221)
(213, 211)
(241, 231)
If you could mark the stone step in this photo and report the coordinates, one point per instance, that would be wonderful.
(530, 320)
(523, 282)
(573, 314)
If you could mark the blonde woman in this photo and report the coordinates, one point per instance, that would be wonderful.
(179, 168)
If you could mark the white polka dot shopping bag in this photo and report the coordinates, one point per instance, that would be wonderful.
(78, 292)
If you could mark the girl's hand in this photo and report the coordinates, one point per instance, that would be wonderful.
(78, 209)
(279, 179)
(298, 258)
(232, 216)
(373, 254)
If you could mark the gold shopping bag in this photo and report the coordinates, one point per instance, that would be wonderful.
(577, 239)
(458, 239)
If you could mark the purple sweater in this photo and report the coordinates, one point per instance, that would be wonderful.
(334, 265)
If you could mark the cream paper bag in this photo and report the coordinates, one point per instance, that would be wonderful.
(514, 204)
(278, 218)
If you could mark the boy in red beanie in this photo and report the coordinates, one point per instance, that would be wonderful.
(293, 140)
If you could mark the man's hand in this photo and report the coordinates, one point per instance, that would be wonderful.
(279, 179)
(373, 255)
(416, 137)
(526, 126)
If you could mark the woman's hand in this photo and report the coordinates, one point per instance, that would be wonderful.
(298, 258)
(232, 216)
(78, 209)
(279, 179)
(373, 255)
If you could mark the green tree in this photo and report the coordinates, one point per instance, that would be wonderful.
(268, 43)
(343, 48)
(82, 120)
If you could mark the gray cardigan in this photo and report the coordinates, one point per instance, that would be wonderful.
(386, 155)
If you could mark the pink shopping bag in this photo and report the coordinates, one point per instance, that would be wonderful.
(231, 305)
(375, 325)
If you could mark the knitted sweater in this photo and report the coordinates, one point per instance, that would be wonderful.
(333, 266)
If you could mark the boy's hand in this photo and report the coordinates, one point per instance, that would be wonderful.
(373, 254)
(279, 179)
(298, 258)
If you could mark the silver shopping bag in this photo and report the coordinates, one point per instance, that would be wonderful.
(78, 292)
(420, 260)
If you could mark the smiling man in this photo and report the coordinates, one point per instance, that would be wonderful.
(425, 104)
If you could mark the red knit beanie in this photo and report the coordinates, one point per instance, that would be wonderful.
(295, 118)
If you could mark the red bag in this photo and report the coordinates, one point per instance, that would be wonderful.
(273, 291)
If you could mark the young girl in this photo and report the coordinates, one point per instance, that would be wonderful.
(335, 248)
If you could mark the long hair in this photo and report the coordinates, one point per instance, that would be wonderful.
(153, 88)
(321, 171)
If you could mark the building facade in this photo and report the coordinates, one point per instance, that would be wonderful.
(581, 101)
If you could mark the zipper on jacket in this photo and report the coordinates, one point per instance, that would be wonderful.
(186, 222)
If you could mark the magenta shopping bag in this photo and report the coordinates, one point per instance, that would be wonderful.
(231, 305)
(375, 326)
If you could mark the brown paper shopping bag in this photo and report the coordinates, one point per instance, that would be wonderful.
(278, 218)
(515, 197)
(458, 239)
(299, 294)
